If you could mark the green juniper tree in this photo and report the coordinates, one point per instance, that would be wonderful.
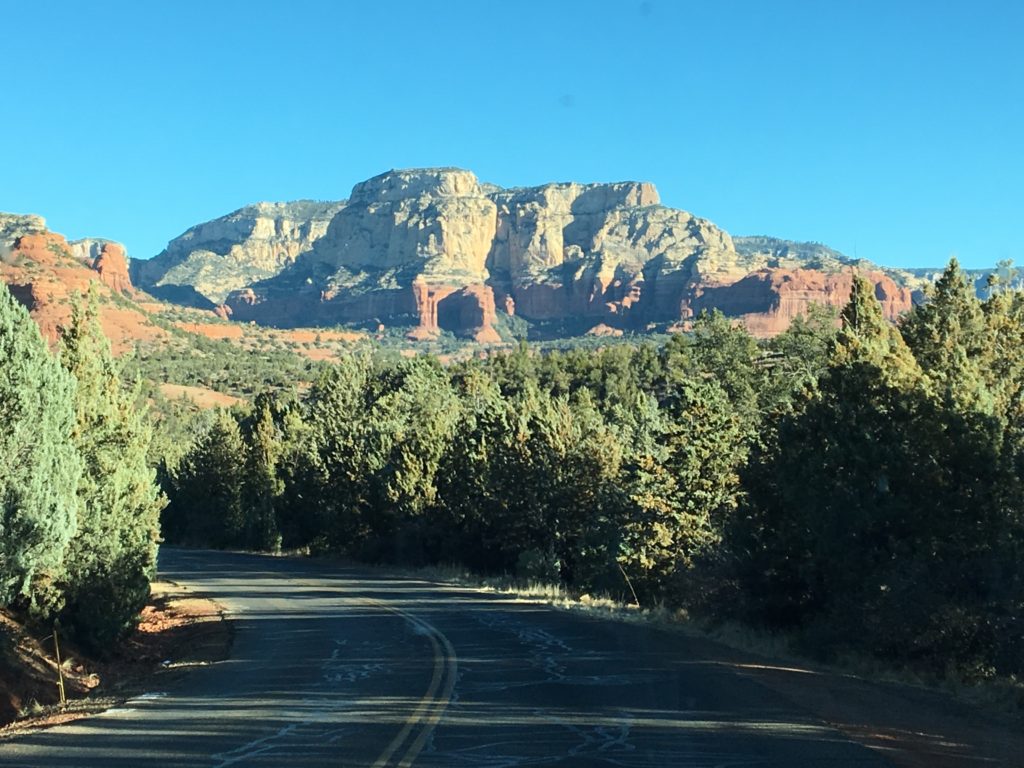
(826, 498)
(41, 467)
(207, 506)
(263, 486)
(112, 557)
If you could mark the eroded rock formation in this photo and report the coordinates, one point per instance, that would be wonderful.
(112, 263)
(46, 274)
(204, 264)
(435, 250)
(768, 300)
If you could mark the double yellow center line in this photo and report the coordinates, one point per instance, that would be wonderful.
(422, 721)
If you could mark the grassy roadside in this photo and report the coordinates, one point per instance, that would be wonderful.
(176, 631)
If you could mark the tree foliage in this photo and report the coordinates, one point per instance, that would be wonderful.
(112, 557)
(852, 481)
(41, 468)
(78, 531)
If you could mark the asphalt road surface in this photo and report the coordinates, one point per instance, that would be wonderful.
(334, 666)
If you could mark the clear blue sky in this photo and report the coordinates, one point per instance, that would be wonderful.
(891, 129)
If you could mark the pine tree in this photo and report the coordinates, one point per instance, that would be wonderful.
(408, 425)
(206, 506)
(297, 508)
(948, 336)
(337, 465)
(718, 349)
(41, 468)
(648, 534)
(798, 357)
(464, 483)
(262, 485)
(831, 493)
(112, 557)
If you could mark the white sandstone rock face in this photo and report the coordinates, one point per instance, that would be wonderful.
(543, 227)
(572, 249)
(88, 249)
(234, 251)
(15, 225)
(554, 251)
(438, 222)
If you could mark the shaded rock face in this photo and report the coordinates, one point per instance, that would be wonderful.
(234, 251)
(470, 311)
(434, 249)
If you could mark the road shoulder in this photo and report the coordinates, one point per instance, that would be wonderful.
(178, 631)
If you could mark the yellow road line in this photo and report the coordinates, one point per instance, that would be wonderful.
(431, 706)
(440, 707)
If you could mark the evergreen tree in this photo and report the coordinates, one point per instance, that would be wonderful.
(648, 533)
(262, 484)
(460, 530)
(948, 336)
(680, 476)
(206, 506)
(798, 357)
(408, 425)
(831, 495)
(719, 349)
(41, 468)
(112, 557)
(296, 508)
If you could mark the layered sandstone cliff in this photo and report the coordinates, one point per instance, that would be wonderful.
(435, 250)
(210, 260)
(768, 300)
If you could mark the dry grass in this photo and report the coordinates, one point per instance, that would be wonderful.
(201, 396)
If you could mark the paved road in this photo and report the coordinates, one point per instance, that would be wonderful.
(336, 667)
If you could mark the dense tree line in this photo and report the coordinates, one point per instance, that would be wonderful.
(853, 482)
(79, 505)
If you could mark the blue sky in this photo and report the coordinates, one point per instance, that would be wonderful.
(889, 130)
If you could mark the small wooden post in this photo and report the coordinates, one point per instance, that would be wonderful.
(628, 584)
(60, 671)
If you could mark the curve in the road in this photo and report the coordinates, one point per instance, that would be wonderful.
(431, 707)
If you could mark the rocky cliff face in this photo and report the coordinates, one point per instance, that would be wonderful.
(607, 251)
(46, 273)
(434, 249)
(768, 300)
(203, 265)
(108, 258)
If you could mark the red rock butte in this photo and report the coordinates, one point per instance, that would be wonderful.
(436, 250)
